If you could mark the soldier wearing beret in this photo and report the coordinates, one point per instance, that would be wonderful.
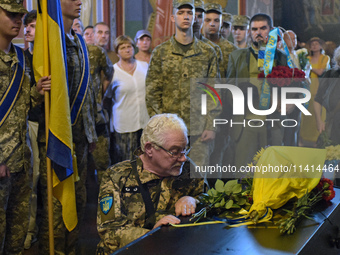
(17, 96)
(240, 27)
(148, 192)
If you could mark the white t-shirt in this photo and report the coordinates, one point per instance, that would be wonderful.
(129, 112)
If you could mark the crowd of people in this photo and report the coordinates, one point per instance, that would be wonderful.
(134, 126)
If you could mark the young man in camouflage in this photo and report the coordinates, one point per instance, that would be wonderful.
(17, 95)
(211, 29)
(101, 70)
(123, 210)
(239, 30)
(173, 65)
(83, 132)
(197, 27)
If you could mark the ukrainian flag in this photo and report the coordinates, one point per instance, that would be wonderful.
(60, 145)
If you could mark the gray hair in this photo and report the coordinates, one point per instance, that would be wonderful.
(336, 58)
(159, 125)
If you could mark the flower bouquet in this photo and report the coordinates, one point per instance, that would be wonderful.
(304, 205)
(303, 59)
(283, 76)
(254, 200)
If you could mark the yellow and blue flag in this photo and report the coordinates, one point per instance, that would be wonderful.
(60, 145)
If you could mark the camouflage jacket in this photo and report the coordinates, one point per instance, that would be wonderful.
(226, 47)
(99, 61)
(85, 124)
(218, 53)
(14, 151)
(168, 81)
(121, 218)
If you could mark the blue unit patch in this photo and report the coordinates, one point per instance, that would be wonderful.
(106, 204)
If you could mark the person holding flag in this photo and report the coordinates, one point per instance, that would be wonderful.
(71, 125)
(17, 96)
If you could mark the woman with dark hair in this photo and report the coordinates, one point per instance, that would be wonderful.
(319, 64)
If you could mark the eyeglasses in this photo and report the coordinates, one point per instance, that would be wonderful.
(175, 154)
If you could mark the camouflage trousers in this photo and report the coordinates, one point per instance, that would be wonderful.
(15, 194)
(123, 145)
(101, 156)
(65, 242)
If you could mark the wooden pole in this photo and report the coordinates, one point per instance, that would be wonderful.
(46, 72)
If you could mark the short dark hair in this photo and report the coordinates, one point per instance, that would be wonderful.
(262, 17)
(30, 17)
(89, 26)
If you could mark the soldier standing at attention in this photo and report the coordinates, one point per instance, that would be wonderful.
(239, 29)
(173, 64)
(16, 96)
(101, 71)
(83, 132)
(143, 194)
(211, 29)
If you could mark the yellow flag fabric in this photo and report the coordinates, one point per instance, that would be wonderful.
(60, 145)
(286, 172)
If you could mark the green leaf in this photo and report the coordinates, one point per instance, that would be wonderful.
(210, 192)
(214, 192)
(236, 206)
(241, 201)
(229, 204)
(217, 205)
(228, 187)
(222, 202)
(237, 188)
(219, 186)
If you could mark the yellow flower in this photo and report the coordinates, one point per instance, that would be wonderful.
(258, 155)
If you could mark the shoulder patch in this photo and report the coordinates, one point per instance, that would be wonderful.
(106, 202)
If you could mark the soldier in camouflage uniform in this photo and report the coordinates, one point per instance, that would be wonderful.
(84, 138)
(101, 71)
(122, 215)
(197, 27)
(15, 179)
(211, 29)
(173, 65)
(100, 63)
(239, 29)
(227, 19)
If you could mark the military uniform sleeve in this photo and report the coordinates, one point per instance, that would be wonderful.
(89, 111)
(214, 110)
(114, 226)
(106, 65)
(154, 84)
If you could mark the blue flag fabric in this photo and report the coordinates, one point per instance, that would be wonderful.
(60, 145)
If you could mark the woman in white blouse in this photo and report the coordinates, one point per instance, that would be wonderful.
(127, 90)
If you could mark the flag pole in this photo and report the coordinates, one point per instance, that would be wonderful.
(46, 72)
